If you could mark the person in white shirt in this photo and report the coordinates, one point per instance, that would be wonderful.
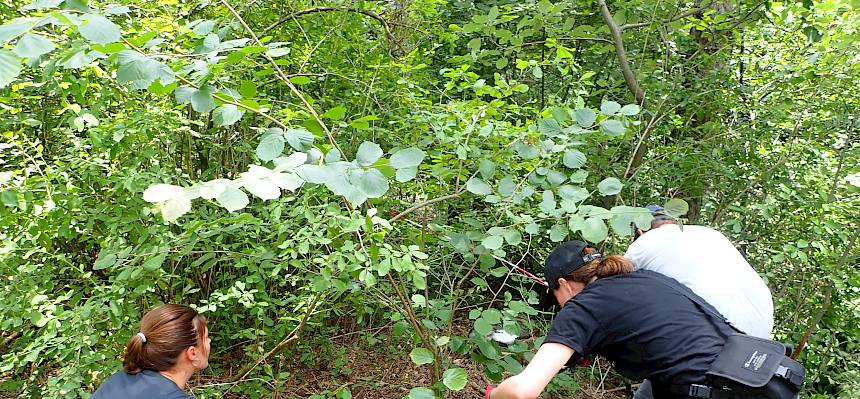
(708, 263)
(704, 260)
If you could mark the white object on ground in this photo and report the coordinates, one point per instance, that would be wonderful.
(504, 337)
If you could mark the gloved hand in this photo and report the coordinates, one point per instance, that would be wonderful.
(490, 387)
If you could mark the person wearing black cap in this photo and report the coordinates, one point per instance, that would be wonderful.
(644, 322)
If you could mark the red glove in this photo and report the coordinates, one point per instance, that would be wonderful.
(490, 387)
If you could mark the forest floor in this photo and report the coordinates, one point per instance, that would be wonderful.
(377, 370)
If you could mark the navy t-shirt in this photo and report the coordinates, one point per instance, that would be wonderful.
(647, 328)
(146, 384)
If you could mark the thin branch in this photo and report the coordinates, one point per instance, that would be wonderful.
(666, 21)
(294, 335)
(826, 304)
(371, 14)
(280, 73)
(629, 76)
(425, 203)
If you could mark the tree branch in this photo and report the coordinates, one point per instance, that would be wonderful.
(666, 21)
(388, 36)
(280, 73)
(294, 335)
(629, 76)
(425, 203)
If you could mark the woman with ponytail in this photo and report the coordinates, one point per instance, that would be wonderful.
(170, 346)
(647, 324)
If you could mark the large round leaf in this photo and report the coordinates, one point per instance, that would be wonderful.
(676, 207)
(478, 186)
(421, 393)
(226, 115)
(612, 128)
(98, 29)
(262, 188)
(407, 158)
(609, 108)
(492, 242)
(609, 186)
(455, 378)
(573, 158)
(373, 183)
(421, 356)
(368, 153)
(10, 67)
(299, 139)
(161, 192)
(233, 199)
(594, 230)
(585, 117)
(33, 45)
(175, 207)
(271, 146)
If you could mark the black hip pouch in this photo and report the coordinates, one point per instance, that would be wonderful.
(756, 368)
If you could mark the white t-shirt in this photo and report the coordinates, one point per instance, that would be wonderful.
(705, 260)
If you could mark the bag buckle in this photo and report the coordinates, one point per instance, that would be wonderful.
(699, 391)
(787, 374)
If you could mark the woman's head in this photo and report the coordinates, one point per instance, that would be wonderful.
(169, 335)
(573, 265)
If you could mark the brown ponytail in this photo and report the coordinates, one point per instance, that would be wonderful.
(600, 268)
(167, 330)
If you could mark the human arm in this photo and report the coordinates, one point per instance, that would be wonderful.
(529, 384)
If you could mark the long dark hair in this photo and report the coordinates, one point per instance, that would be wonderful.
(168, 330)
(602, 267)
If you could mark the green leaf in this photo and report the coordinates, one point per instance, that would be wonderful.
(104, 261)
(492, 316)
(373, 183)
(201, 99)
(612, 128)
(335, 114)
(594, 230)
(98, 29)
(154, 262)
(455, 378)
(162, 192)
(609, 108)
(226, 115)
(421, 356)
(15, 28)
(233, 199)
(487, 168)
(549, 126)
(141, 71)
(483, 327)
(676, 207)
(406, 174)
(262, 189)
(609, 186)
(478, 186)
(513, 237)
(272, 145)
(492, 242)
(527, 151)
(175, 207)
(203, 28)
(421, 393)
(630, 110)
(300, 139)
(10, 67)
(558, 233)
(33, 45)
(407, 158)
(368, 153)
(573, 158)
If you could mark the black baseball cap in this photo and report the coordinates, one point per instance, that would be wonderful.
(565, 259)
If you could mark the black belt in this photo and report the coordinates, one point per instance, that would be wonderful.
(701, 391)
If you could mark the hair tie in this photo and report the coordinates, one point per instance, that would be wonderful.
(142, 337)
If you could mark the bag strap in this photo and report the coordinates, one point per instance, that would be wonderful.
(687, 292)
(699, 391)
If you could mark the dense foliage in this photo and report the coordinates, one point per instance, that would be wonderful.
(297, 169)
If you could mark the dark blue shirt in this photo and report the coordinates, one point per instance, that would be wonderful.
(645, 325)
(147, 384)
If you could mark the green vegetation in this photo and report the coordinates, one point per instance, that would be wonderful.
(299, 171)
